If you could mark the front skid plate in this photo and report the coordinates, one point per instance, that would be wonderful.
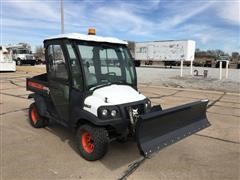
(157, 130)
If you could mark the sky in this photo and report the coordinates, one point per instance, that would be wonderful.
(213, 24)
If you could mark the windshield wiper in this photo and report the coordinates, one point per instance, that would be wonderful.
(100, 86)
(121, 82)
(108, 84)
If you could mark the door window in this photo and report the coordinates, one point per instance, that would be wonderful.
(57, 63)
(87, 55)
(75, 68)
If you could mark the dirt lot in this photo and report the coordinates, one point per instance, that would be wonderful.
(50, 153)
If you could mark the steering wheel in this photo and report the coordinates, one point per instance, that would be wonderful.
(111, 73)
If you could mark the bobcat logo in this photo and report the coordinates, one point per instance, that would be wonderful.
(135, 112)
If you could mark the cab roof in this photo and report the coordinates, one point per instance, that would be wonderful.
(84, 37)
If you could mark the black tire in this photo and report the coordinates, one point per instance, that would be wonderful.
(99, 139)
(19, 62)
(35, 119)
(137, 63)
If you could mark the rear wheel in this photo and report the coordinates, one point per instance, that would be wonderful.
(36, 120)
(92, 142)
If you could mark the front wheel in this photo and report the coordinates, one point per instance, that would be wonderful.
(19, 62)
(137, 63)
(92, 142)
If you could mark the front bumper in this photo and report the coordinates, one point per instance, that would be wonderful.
(28, 61)
(122, 123)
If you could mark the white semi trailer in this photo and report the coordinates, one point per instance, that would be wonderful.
(6, 61)
(170, 52)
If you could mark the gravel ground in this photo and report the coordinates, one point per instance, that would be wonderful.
(171, 78)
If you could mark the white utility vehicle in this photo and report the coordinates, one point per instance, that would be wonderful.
(91, 87)
(6, 61)
(22, 54)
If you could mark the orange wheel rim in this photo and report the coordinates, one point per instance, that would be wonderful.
(34, 115)
(87, 142)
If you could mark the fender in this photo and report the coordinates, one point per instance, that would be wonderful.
(40, 103)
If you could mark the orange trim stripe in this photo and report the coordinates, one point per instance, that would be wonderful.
(36, 85)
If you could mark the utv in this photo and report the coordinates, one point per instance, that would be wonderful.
(91, 87)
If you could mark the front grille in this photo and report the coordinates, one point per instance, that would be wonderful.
(29, 57)
(139, 107)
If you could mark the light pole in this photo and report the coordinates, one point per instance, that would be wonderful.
(62, 18)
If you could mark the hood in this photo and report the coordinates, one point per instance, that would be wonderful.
(24, 56)
(115, 94)
(118, 94)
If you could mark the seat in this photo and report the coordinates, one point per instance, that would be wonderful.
(91, 78)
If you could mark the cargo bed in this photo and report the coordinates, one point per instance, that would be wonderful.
(38, 84)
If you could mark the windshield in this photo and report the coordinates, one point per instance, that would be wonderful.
(223, 58)
(21, 51)
(24, 52)
(106, 64)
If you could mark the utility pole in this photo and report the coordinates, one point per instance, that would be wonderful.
(62, 18)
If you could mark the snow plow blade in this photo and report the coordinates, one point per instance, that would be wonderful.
(159, 129)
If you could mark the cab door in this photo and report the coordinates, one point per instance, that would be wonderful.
(58, 78)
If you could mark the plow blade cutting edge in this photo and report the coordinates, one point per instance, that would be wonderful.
(159, 129)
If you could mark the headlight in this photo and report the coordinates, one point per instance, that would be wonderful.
(108, 112)
(104, 112)
(113, 113)
(147, 106)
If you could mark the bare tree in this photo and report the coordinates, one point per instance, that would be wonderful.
(39, 53)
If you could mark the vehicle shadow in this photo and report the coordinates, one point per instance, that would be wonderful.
(118, 155)
(121, 154)
(63, 133)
